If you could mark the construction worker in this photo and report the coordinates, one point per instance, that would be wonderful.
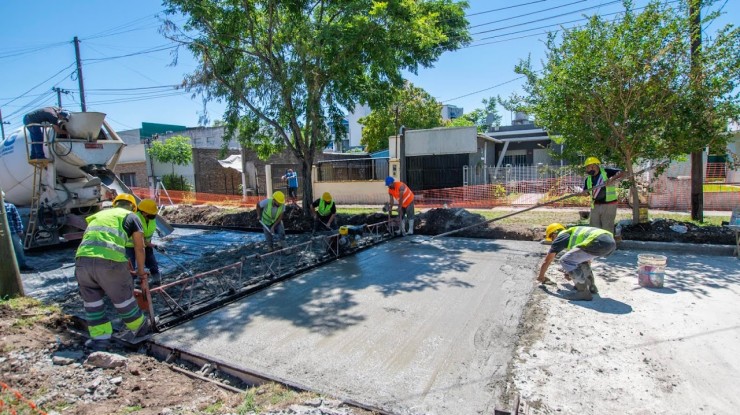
(102, 269)
(603, 199)
(147, 213)
(55, 116)
(582, 243)
(270, 214)
(291, 180)
(324, 211)
(399, 191)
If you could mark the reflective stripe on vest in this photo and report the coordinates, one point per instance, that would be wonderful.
(324, 208)
(408, 195)
(583, 235)
(150, 226)
(105, 237)
(267, 217)
(611, 191)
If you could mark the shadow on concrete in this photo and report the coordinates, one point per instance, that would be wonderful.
(695, 274)
(601, 304)
(325, 299)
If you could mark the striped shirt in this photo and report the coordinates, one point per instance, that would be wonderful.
(14, 218)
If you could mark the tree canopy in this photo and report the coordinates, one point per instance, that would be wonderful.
(286, 69)
(624, 90)
(411, 107)
(175, 150)
(482, 118)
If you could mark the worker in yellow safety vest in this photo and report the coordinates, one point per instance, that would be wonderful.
(324, 211)
(270, 214)
(604, 199)
(398, 190)
(583, 244)
(147, 213)
(101, 269)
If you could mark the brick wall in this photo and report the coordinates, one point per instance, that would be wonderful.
(138, 168)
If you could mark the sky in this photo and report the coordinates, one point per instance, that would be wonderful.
(129, 70)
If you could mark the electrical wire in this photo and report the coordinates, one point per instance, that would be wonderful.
(528, 14)
(39, 84)
(504, 8)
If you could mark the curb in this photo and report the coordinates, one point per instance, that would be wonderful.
(697, 249)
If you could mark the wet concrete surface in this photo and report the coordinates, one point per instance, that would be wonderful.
(406, 327)
(53, 277)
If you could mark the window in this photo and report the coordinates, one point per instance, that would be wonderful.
(515, 160)
(129, 179)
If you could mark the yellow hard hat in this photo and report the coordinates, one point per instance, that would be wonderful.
(148, 206)
(552, 228)
(128, 198)
(343, 230)
(326, 197)
(278, 197)
(591, 160)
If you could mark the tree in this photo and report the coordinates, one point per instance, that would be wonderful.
(287, 68)
(175, 150)
(479, 117)
(621, 90)
(411, 107)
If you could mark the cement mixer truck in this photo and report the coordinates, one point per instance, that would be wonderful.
(55, 195)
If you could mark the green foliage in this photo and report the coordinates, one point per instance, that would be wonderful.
(285, 69)
(175, 150)
(479, 117)
(411, 107)
(249, 403)
(176, 182)
(625, 90)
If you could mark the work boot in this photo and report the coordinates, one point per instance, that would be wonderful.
(155, 280)
(589, 275)
(582, 293)
(411, 226)
(98, 344)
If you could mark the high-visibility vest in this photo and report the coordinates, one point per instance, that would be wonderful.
(105, 237)
(324, 208)
(611, 191)
(267, 217)
(583, 235)
(404, 200)
(150, 226)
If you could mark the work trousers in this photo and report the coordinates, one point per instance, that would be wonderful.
(279, 235)
(150, 260)
(603, 216)
(602, 246)
(98, 278)
(319, 224)
(18, 248)
(37, 142)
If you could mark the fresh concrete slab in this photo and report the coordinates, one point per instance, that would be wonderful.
(635, 350)
(407, 327)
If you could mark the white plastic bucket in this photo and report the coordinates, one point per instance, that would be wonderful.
(651, 270)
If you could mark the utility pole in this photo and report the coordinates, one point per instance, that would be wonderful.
(59, 92)
(79, 74)
(697, 162)
(2, 125)
(10, 276)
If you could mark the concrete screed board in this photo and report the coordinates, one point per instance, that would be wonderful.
(406, 327)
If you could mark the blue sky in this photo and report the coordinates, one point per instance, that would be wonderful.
(128, 70)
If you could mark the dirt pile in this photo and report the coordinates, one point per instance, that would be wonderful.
(667, 230)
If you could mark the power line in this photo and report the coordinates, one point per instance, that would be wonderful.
(528, 14)
(142, 52)
(39, 84)
(485, 89)
(504, 8)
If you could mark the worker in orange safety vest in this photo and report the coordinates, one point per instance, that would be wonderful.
(399, 191)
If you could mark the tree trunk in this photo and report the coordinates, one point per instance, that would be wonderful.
(306, 165)
(634, 194)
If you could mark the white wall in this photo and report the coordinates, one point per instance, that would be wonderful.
(355, 128)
